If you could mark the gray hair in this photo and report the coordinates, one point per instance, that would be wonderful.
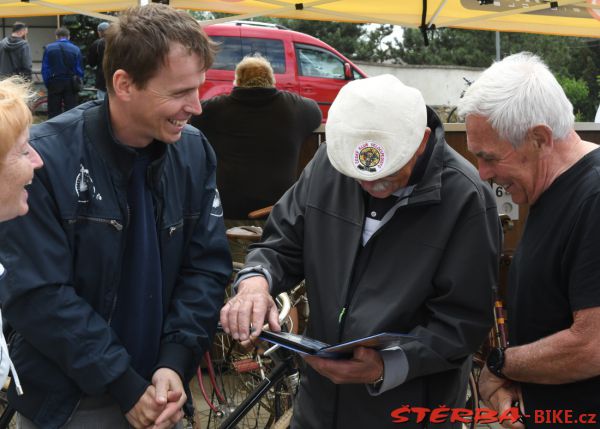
(516, 94)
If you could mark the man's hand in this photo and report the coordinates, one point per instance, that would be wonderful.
(145, 411)
(365, 366)
(171, 394)
(252, 304)
(500, 394)
(160, 405)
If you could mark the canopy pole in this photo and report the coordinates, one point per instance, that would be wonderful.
(497, 46)
(423, 27)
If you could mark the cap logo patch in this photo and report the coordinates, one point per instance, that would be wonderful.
(369, 157)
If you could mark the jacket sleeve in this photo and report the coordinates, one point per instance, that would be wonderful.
(42, 303)
(313, 115)
(79, 63)
(461, 310)
(46, 72)
(92, 56)
(26, 67)
(198, 296)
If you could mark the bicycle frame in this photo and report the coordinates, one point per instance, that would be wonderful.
(284, 368)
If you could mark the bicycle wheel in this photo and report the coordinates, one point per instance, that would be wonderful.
(237, 372)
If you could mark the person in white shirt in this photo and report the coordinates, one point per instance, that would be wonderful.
(17, 162)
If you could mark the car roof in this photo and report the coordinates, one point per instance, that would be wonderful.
(266, 30)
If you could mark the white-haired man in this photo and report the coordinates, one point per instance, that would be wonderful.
(393, 231)
(520, 127)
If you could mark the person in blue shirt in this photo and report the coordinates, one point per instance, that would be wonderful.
(61, 61)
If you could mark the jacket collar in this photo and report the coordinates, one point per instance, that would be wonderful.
(428, 187)
(98, 130)
(253, 96)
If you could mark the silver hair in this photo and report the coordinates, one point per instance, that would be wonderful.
(515, 95)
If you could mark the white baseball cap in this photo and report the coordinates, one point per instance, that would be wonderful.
(374, 127)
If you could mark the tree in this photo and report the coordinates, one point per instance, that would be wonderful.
(83, 33)
(570, 57)
(577, 92)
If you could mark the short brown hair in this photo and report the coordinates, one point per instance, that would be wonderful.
(139, 42)
(254, 71)
(62, 32)
(15, 115)
(18, 26)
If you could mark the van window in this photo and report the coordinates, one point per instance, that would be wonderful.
(229, 54)
(317, 62)
(233, 49)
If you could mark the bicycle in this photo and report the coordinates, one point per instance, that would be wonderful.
(250, 388)
(251, 384)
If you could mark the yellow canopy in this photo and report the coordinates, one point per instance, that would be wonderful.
(561, 17)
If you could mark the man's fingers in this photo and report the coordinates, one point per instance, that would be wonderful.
(239, 317)
(162, 388)
(168, 424)
(169, 413)
(173, 396)
(273, 318)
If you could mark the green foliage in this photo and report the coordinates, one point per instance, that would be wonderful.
(448, 46)
(577, 92)
(83, 33)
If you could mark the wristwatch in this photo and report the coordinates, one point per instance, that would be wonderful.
(495, 361)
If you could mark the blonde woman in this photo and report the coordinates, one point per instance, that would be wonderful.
(17, 162)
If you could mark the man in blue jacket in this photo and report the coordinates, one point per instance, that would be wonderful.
(116, 277)
(61, 61)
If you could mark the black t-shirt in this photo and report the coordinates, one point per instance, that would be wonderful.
(556, 271)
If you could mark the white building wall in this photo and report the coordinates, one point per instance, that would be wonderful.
(440, 85)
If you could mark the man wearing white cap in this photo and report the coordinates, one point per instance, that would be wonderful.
(393, 232)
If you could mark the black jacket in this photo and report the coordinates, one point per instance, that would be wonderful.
(257, 134)
(94, 58)
(63, 264)
(430, 273)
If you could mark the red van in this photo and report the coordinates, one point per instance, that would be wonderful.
(301, 63)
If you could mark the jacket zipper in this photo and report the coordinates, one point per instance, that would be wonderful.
(73, 412)
(114, 302)
(112, 222)
(175, 227)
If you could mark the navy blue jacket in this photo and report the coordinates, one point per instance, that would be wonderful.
(64, 259)
(61, 60)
